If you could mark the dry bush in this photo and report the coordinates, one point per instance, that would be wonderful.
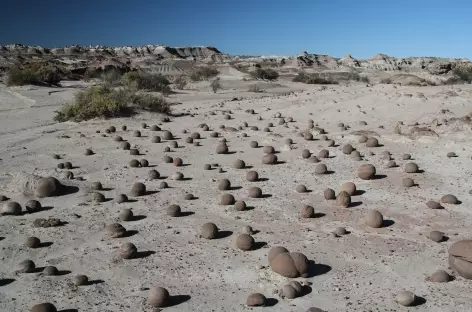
(146, 81)
(180, 82)
(216, 85)
(265, 73)
(34, 74)
(203, 73)
(312, 79)
(386, 81)
(463, 74)
(105, 102)
(255, 88)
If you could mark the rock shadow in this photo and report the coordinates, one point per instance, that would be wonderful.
(143, 254)
(387, 223)
(186, 213)
(418, 301)
(95, 282)
(45, 244)
(316, 269)
(270, 302)
(138, 217)
(130, 233)
(379, 177)
(355, 204)
(259, 245)
(177, 299)
(359, 192)
(223, 234)
(6, 281)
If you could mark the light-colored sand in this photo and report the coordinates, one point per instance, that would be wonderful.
(361, 271)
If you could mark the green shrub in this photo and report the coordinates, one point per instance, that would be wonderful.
(203, 73)
(111, 78)
(146, 81)
(463, 73)
(34, 74)
(312, 79)
(265, 73)
(105, 102)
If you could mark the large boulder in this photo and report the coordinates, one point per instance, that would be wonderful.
(460, 258)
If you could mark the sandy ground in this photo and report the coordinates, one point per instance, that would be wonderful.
(361, 271)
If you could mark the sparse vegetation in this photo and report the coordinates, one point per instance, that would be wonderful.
(203, 73)
(146, 81)
(34, 74)
(255, 88)
(180, 82)
(215, 85)
(463, 73)
(265, 73)
(312, 79)
(105, 102)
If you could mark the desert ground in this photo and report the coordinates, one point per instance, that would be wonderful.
(361, 271)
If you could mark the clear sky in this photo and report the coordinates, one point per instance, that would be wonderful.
(256, 27)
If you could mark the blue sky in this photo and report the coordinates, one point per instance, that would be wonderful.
(258, 27)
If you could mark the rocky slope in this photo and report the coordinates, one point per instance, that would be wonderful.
(164, 58)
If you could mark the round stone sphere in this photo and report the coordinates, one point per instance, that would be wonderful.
(80, 280)
(307, 211)
(408, 182)
(362, 139)
(366, 172)
(33, 206)
(224, 185)
(126, 214)
(12, 208)
(144, 163)
(240, 205)
(44, 307)
(252, 176)
(239, 164)
(436, 236)
(329, 194)
(245, 242)
(323, 154)
(373, 219)
(255, 192)
(178, 162)
(347, 149)
(306, 154)
(301, 188)
(256, 300)
(269, 159)
(440, 276)
(449, 199)
(134, 163)
(321, 169)
(158, 297)
(411, 168)
(178, 176)
(127, 251)
(153, 174)
(32, 242)
(372, 142)
(254, 144)
(209, 231)
(50, 271)
(26, 266)
(405, 298)
(349, 187)
(227, 199)
(268, 149)
(138, 189)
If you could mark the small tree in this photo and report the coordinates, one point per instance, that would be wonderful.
(215, 85)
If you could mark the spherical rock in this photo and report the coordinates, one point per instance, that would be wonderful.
(207, 167)
(97, 197)
(227, 199)
(256, 300)
(115, 230)
(374, 219)
(80, 280)
(163, 185)
(137, 133)
(125, 146)
(451, 154)
(126, 214)
(155, 128)
(96, 186)
(436, 236)
(167, 135)
(88, 152)
(268, 149)
(133, 152)
(49, 187)
(449, 199)
(411, 168)
(214, 134)
(288, 292)
(269, 159)
(347, 149)
(275, 251)
(306, 154)
(112, 129)
(433, 205)
(391, 164)
(158, 297)
(44, 307)
(174, 211)
(156, 139)
(349, 187)
(167, 159)
(405, 298)
(12, 208)
(178, 162)
(408, 182)
(224, 185)
(178, 176)
(127, 251)
(117, 138)
(209, 231)
(308, 136)
(329, 194)
(323, 154)
(363, 139)
(288, 141)
(60, 166)
(134, 163)
(33, 206)
(301, 188)
(32, 242)
(255, 192)
(240, 205)
(290, 265)
(68, 165)
(26, 266)
(239, 164)
(366, 171)
(50, 271)
(372, 142)
(138, 189)
(406, 156)
(121, 198)
(245, 242)
(144, 163)
(313, 159)
(343, 199)
(307, 211)
(340, 231)
(440, 276)
(153, 174)
(221, 149)
(321, 169)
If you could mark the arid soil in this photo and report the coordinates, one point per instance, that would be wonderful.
(360, 271)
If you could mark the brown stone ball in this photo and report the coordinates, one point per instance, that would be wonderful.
(134, 163)
(366, 172)
(137, 133)
(252, 176)
(440, 276)
(12, 208)
(254, 144)
(115, 230)
(239, 164)
(227, 199)
(343, 199)
(127, 251)
(372, 142)
(411, 168)
(349, 187)
(32, 242)
(323, 154)
(307, 211)
(33, 206)
(224, 185)
(177, 162)
(156, 139)
(255, 192)
(321, 169)
(81, 280)
(347, 149)
(256, 300)
(268, 149)
(138, 189)
(308, 136)
(269, 159)
(301, 188)
(436, 236)
(245, 242)
(240, 205)
(168, 159)
(26, 266)
(167, 135)
(408, 182)
(158, 297)
(329, 194)
(125, 146)
(209, 231)
(153, 174)
(306, 154)
(449, 199)
(126, 214)
(174, 211)
(222, 149)
(363, 139)
(374, 219)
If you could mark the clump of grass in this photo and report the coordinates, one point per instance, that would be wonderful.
(105, 102)
(255, 88)
(146, 81)
(215, 85)
(314, 78)
(111, 78)
(180, 82)
(203, 73)
(386, 81)
(33, 74)
(463, 73)
(265, 73)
